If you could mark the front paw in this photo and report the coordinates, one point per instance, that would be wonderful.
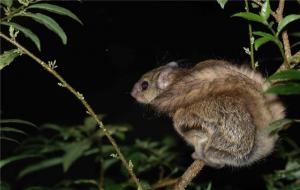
(197, 156)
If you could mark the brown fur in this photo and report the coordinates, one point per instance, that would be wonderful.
(218, 108)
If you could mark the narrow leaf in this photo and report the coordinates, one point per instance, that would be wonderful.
(265, 10)
(260, 41)
(15, 158)
(270, 37)
(277, 125)
(89, 124)
(264, 34)
(28, 33)
(295, 34)
(91, 151)
(40, 166)
(286, 20)
(86, 181)
(285, 89)
(4, 186)
(295, 44)
(73, 152)
(251, 16)
(9, 139)
(18, 121)
(7, 3)
(222, 3)
(108, 163)
(10, 129)
(291, 74)
(295, 59)
(49, 23)
(55, 9)
(53, 127)
(7, 57)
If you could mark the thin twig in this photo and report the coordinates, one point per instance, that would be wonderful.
(80, 97)
(163, 183)
(251, 39)
(189, 174)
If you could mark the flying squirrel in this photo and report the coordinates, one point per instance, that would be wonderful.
(217, 107)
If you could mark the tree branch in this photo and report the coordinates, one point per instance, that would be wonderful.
(278, 15)
(284, 35)
(80, 97)
(163, 183)
(189, 174)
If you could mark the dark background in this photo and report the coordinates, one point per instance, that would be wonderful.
(120, 41)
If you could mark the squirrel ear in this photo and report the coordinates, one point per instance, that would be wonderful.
(172, 64)
(163, 80)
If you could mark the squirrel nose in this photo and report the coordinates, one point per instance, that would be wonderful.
(133, 93)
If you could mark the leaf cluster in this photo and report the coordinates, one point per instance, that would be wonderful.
(288, 177)
(30, 9)
(65, 146)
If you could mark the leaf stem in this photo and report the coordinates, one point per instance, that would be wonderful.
(80, 97)
(251, 39)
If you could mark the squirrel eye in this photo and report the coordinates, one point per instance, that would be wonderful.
(144, 85)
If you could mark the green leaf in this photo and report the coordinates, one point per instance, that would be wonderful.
(285, 89)
(265, 10)
(293, 168)
(109, 185)
(53, 127)
(222, 3)
(270, 37)
(295, 44)
(15, 158)
(10, 129)
(4, 186)
(89, 124)
(251, 16)
(65, 133)
(260, 41)
(208, 186)
(86, 181)
(7, 3)
(9, 139)
(42, 188)
(55, 9)
(40, 166)
(7, 57)
(18, 121)
(277, 125)
(92, 151)
(28, 33)
(264, 34)
(73, 152)
(49, 23)
(295, 34)
(291, 74)
(108, 163)
(286, 20)
(295, 59)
